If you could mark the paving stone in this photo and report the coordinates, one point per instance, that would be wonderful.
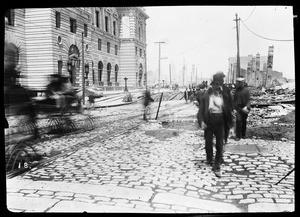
(247, 201)
(271, 207)
(280, 200)
(264, 200)
(234, 197)
(63, 198)
(174, 199)
(45, 192)
(30, 204)
(64, 194)
(254, 196)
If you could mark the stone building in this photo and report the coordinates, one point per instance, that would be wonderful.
(103, 44)
(254, 70)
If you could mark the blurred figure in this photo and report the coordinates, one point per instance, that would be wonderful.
(54, 90)
(199, 95)
(146, 102)
(185, 94)
(242, 106)
(216, 116)
(17, 99)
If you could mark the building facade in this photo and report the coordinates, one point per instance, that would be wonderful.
(254, 70)
(101, 45)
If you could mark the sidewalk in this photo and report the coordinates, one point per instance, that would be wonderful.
(113, 98)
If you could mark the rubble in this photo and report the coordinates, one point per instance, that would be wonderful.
(274, 95)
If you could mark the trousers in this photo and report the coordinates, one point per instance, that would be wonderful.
(214, 127)
(241, 124)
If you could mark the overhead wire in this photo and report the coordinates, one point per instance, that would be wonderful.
(270, 39)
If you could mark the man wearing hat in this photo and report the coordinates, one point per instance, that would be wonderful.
(215, 117)
(242, 107)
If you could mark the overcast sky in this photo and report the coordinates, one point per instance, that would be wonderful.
(206, 36)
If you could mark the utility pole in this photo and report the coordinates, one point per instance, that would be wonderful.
(196, 76)
(170, 76)
(159, 43)
(183, 69)
(83, 80)
(238, 47)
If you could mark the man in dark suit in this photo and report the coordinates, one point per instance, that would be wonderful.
(216, 117)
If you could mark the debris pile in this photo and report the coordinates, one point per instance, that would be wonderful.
(278, 94)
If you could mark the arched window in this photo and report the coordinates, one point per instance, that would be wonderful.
(100, 69)
(108, 72)
(116, 72)
(140, 74)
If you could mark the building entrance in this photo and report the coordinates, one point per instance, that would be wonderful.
(73, 64)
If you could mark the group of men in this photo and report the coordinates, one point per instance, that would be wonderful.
(215, 115)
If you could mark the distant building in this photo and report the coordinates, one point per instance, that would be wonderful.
(254, 70)
(49, 40)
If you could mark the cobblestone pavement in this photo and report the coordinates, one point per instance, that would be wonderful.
(160, 167)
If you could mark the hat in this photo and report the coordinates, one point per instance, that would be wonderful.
(240, 79)
(218, 76)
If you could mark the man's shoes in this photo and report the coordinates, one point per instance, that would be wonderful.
(209, 162)
(217, 173)
(237, 139)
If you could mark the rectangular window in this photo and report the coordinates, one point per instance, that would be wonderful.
(99, 44)
(136, 51)
(116, 49)
(73, 25)
(10, 17)
(59, 65)
(140, 52)
(57, 19)
(114, 27)
(97, 18)
(85, 30)
(106, 23)
(108, 47)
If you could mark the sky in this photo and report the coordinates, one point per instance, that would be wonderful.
(206, 36)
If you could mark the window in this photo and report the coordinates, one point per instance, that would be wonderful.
(116, 49)
(139, 33)
(57, 19)
(106, 23)
(85, 30)
(116, 73)
(100, 68)
(108, 47)
(114, 27)
(99, 44)
(73, 25)
(136, 51)
(10, 17)
(59, 65)
(97, 18)
(108, 72)
(140, 52)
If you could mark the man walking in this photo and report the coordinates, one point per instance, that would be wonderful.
(215, 112)
(147, 100)
(242, 107)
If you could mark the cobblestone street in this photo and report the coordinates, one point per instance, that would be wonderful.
(157, 167)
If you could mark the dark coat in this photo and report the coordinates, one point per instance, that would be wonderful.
(204, 114)
(147, 98)
(242, 98)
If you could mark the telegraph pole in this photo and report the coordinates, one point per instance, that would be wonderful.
(238, 47)
(83, 80)
(159, 43)
(170, 76)
(183, 72)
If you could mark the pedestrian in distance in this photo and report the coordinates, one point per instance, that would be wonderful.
(185, 94)
(242, 105)
(215, 116)
(146, 102)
